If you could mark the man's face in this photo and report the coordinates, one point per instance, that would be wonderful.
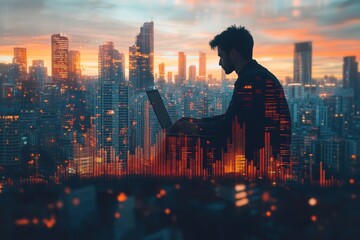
(225, 62)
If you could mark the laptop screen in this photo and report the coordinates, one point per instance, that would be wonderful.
(159, 108)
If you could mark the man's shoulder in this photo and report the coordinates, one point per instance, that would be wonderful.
(257, 70)
(256, 73)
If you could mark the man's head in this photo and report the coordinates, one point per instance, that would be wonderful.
(234, 46)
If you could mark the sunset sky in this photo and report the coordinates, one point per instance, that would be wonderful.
(185, 25)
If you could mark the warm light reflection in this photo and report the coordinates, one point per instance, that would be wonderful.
(76, 201)
(312, 202)
(242, 202)
(268, 213)
(121, 197)
(240, 195)
(59, 204)
(167, 211)
(22, 222)
(265, 196)
(35, 221)
(49, 223)
(240, 187)
(67, 190)
(162, 192)
(117, 215)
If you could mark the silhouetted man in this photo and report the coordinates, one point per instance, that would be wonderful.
(258, 103)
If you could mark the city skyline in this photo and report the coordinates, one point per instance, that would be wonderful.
(87, 153)
(186, 26)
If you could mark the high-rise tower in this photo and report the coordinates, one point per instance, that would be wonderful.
(20, 58)
(74, 66)
(112, 105)
(351, 79)
(59, 58)
(162, 71)
(38, 73)
(202, 65)
(181, 68)
(141, 59)
(303, 62)
(350, 72)
(192, 73)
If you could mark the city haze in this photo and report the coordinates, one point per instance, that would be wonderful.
(333, 27)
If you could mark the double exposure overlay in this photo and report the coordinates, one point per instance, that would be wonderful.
(83, 154)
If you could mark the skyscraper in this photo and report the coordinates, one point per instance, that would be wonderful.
(133, 68)
(112, 105)
(162, 71)
(141, 59)
(181, 68)
(303, 62)
(59, 58)
(120, 65)
(202, 65)
(74, 66)
(192, 73)
(141, 77)
(38, 73)
(10, 146)
(350, 72)
(20, 58)
(351, 78)
(145, 41)
(169, 76)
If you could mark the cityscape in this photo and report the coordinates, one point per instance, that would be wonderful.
(84, 155)
(64, 125)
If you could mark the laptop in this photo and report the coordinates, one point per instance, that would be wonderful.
(159, 108)
(162, 114)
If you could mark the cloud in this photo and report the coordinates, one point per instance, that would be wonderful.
(183, 25)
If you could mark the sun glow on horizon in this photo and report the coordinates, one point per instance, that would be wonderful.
(188, 27)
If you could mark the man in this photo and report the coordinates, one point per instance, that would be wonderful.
(258, 102)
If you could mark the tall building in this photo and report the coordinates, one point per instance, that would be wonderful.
(351, 80)
(9, 75)
(112, 104)
(74, 66)
(350, 72)
(202, 65)
(120, 65)
(59, 58)
(303, 63)
(141, 59)
(38, 74)
(133, 68)
(192, 73)
(169, 77)
(181, 68)
(20, 58)
(189, 101)
(49, 125)
(162, 71)
(10, 149)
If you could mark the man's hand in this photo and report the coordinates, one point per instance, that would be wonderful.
(185, 125)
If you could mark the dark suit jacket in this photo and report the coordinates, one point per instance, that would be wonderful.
(259, 105)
